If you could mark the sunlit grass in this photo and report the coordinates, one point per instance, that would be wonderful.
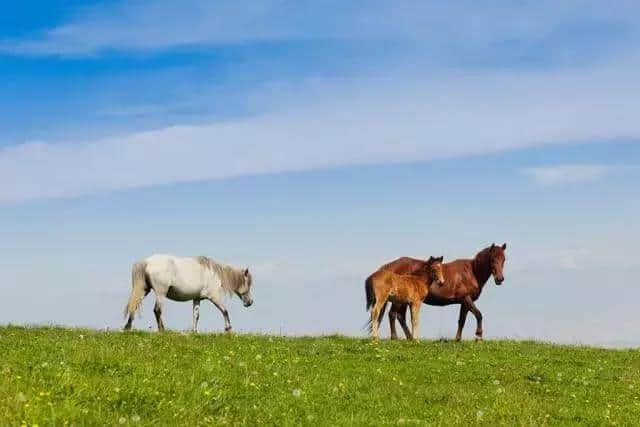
(56, 375)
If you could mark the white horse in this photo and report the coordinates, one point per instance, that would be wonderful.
(184, 279)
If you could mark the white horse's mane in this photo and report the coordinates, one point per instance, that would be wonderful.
(232, 278)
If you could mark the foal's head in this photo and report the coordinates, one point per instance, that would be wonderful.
(244, 290)
(497, 259)
(436, 277)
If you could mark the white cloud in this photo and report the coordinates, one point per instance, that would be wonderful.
(567, 174)
(546, 260)
(373, 121)
(136, 25)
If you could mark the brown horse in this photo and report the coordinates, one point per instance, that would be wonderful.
(464, 280)
(385, 285)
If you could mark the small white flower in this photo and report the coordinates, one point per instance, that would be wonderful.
(135, 418)
(496, 382)
(122, 420)
(479, 415)
(296, 392)
(204, 384)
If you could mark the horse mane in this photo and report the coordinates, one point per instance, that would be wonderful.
(231, 278)
(482, 265)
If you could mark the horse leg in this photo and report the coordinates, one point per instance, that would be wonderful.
(225, 314)
(393, 314)
(196, 315)
(402, 318)
(381, 314)
(375, 316)
(461, 319)
(415, 319)
(127, 327)
(472, 307)
(157, 310)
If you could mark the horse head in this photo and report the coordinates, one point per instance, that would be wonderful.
(244, 290)
(436, 275)
(497, 259)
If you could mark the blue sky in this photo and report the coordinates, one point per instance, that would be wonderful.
(313, 141)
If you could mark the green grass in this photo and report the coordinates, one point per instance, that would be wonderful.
(56, 375)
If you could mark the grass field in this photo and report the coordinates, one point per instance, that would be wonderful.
(56, 375)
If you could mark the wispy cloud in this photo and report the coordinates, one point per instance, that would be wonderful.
(137, 25)
(374, 121)
(552, 260)
(567, 174)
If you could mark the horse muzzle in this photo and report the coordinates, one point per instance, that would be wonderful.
(248, 303)
(499, 281)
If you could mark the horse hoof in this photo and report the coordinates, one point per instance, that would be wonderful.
(478, 339)
(227, 330)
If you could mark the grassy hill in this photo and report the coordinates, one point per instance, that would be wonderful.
(53, 375)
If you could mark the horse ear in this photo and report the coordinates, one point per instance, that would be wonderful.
(504, 246)
(441, 258)
(246, 272)
(493, 245)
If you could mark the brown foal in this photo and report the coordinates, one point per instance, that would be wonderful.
(383, 286)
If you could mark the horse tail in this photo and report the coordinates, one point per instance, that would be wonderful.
(369, 325)
(138, 288)
(371, 301)
(368, 289)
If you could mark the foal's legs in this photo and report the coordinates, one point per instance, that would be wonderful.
(415, 319)
(472, 307)
(225, 313)
(381, 302)
(157, 310)
(196, 314)
(461, 319)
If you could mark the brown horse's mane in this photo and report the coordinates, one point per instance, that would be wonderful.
(481, 265)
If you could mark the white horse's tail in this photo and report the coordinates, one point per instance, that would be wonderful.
(138, 288)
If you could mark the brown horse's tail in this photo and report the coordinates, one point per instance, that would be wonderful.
(139, 288)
